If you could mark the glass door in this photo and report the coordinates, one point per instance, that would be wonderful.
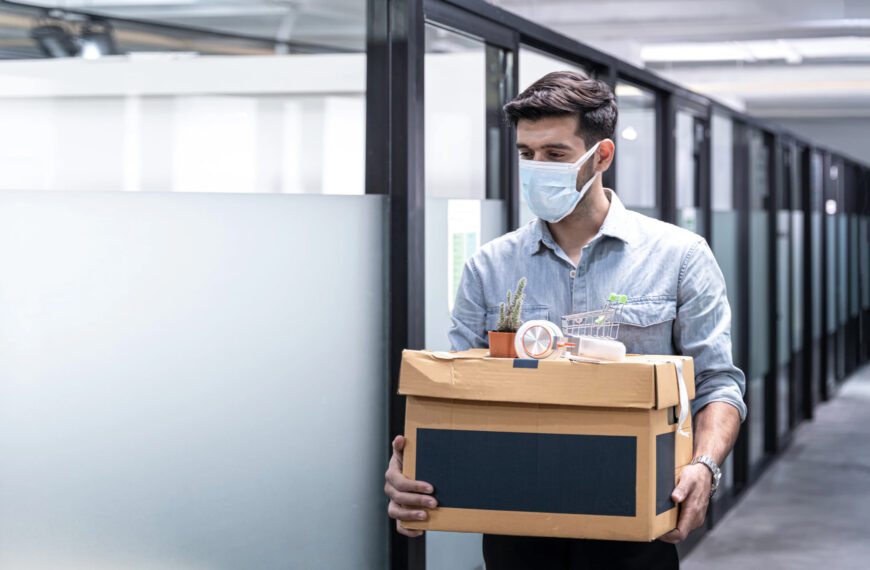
(758, 156)
(635, 140)
(784, 157)
(816, 282)
(469, 185)
(725, 238)
(692, 168)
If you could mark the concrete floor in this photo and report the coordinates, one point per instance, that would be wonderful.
(811, 509)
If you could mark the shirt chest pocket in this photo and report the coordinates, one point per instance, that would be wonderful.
(530, 313)
(646, 326)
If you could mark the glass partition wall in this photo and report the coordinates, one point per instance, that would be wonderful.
(195, 201)
(692, 169)
(165, 108)
(466, 165)
(636, 150)
(759, 363)
(725, 242)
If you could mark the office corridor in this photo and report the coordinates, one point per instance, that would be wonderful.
(811, 509)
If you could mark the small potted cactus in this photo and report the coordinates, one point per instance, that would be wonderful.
(501, 340)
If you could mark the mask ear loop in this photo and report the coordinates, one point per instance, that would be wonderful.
(582, 160)
(595, 173)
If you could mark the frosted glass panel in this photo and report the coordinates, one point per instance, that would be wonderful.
(854, 264)
(783, 285)
(797, 259)
(759, 294)
(755, 419)
(725, 232)
(171, 395)
(842, 268)
(831, 271)
(817, 274)
(454, 551)
(759, 323)
(721, 152)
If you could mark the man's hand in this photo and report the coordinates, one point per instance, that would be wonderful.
(405, 493)
(693, 493)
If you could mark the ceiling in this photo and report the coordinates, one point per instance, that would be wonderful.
(772, 58)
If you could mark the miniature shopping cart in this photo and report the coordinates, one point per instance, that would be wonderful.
(603, 323)
(596, 331)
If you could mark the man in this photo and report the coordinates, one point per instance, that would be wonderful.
(583, 246)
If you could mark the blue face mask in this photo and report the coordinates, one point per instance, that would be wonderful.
(550, 188)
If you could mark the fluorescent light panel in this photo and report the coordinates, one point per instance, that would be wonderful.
(792, 51)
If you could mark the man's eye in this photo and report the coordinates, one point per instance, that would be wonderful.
(556, 156)
(526, 155)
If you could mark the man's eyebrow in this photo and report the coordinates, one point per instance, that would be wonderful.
(560, 146)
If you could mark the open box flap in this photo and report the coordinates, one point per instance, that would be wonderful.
(642, 382)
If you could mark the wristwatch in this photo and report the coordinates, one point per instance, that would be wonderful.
(714, 469)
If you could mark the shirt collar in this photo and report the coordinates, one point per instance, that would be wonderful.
(616, 225)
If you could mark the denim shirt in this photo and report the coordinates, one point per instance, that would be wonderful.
(676, 293)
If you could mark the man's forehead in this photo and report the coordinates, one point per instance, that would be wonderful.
(556, 132)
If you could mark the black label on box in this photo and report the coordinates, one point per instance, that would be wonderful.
(665, 461)
(532, 472)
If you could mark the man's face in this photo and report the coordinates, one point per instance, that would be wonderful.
(553, 139)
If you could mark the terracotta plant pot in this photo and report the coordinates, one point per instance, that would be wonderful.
(501, 344)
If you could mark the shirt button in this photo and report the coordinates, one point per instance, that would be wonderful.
(573, 273)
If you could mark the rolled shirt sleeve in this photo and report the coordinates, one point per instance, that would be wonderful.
(702, 330)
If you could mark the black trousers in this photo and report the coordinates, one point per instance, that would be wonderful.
(535, 553)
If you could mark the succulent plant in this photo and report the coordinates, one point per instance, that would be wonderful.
(509, 313)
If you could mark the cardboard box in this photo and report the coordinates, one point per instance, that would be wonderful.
(547, 448)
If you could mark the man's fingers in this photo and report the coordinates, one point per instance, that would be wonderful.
(413, 499)
(408, 531)
(682, 490)
(691, 517)
(405, 485)
(398, 444)
(673, 537)
(399, 512)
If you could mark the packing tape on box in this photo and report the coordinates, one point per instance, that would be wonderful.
(684, 395)
(684, 398)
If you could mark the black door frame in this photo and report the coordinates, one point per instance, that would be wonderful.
(395, 167)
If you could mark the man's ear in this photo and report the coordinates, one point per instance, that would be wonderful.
(604, 155)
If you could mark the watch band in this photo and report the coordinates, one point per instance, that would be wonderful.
(714, 469)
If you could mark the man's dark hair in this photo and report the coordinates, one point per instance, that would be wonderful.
(564, 93)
